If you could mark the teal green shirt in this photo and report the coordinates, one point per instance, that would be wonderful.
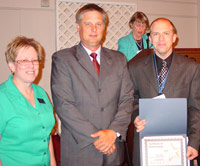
(128, 46)
(24, 129)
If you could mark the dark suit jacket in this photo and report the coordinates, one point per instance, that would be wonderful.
(183, 82)
(86, 103)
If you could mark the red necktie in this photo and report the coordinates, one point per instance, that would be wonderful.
(95, 63)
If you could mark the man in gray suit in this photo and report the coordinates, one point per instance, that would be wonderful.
(182, 81)
(94, 108)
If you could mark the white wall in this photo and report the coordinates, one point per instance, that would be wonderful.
(27, 17)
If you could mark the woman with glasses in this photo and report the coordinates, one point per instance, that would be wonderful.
(136, 40)
(26, 114)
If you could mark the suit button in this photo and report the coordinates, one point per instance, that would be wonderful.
(44, 140)
(102, 109)
(99, 90)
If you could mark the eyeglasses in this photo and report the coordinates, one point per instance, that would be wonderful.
(25, 62)
(140, 24)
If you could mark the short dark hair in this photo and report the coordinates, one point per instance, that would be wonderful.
(91, 7)
(139, 16)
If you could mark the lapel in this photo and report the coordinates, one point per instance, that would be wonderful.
(175, 67)
(85, 61)
(132, 42)
(150, 73)
(144, 40)
(106, 65)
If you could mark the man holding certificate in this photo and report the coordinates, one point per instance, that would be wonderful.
(169, 75)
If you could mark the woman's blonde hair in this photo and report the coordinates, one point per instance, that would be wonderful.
(139, 16)
(19, 42)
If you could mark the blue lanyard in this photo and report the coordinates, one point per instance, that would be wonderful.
(160, 89)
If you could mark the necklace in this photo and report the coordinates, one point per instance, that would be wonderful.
(139, 44)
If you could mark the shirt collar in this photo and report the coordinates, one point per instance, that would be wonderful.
(89, 52)
(168, 60)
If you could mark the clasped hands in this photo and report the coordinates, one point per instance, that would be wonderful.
(105, 142)
(140, 124)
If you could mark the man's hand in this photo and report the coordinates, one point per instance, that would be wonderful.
(111, 150)
(191, 153)
(106, 141)
(139, 124)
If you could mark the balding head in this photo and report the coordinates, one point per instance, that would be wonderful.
(165, 20)
(162, 36)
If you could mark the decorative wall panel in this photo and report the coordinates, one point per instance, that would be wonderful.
(66, 32)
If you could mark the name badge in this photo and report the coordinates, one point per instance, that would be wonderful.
(162, 96)
(41, 101)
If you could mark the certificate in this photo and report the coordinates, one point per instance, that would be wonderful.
(163, 116)
(164, 151)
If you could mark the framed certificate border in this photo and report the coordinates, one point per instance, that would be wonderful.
(164, 151)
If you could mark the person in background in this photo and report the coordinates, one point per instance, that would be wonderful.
(198, 158)
(181, 80)
(136, 40)
(26, 114)
(92, 94)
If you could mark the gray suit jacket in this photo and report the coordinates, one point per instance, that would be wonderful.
(183, 82)
(86, 103)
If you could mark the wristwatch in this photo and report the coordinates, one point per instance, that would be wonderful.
(119, 136)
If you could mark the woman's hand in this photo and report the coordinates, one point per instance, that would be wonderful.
(51, 151)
